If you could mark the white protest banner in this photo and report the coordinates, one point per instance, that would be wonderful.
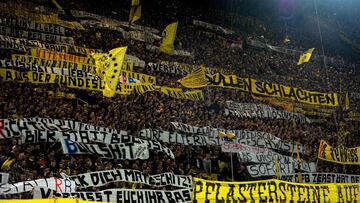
(57, 184)
(177, 138)
(100, 178)
(9, 127)
(165, 68)
(257, 154)
(233, 147)
(4, 178)
(137, 61)
(176, 52)
(322, 178)
(46, 37)
(25, 24)
(129, 151)
(84, 14)
(213, 27)
(269, 169)
(213, 132)
(250, 110)
(21, 66)
(24, 45)
(249, 138)
(33, 130)
(121, 195)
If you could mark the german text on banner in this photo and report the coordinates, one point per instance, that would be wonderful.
(121, 195)
(101, 178)
(340, 154)
(130, 151)
(205, 191)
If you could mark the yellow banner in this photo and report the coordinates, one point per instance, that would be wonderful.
(96, 84)
(340, 154)
(228, 81)
(196, 95)
(263, 88)
(71, 82)
(47, 19)
(63, 60)
(60, 56)
(293, 93)
(306, 109)
(272, 191)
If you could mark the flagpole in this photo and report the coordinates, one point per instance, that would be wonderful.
(232, 167)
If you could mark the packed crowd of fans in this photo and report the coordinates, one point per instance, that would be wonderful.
(155, 110)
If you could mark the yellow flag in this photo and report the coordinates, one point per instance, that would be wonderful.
(221, 134)
(298, 162)
(277, 168)
(196, 79)
(108, 67)
(135, 13)
(168, 38)
(230, 135)
(305, 57)
(286, 39)
(135, 2)
(347, 102)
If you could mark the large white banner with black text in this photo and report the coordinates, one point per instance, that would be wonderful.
(56, 184)
(121, 195)
(250, 110)
(101, 178)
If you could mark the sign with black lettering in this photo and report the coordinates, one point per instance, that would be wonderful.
(273, 191)
(322, 178)
(31, 25)
(269, 169)
(121, 195)
(33, 35)
(129, 151)
(340, 154)
(101, 178)
(57, 184)
(177, 138)
(165, 68)
(250, 110)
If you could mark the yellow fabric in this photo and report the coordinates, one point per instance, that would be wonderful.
(60, 56)
(294, 93)
(196, 95)
(286, 39)
(97, 85)
(57, 4)
(196, 79)
(305, 57)
(168, 38)
(222, 134)
(277, 175)
(43, 62)
(135, 2)
(135, 13)
(273, 191)
(340, 154)
(6, 165)
(230, 135)
(111, 70)
(347, 102)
